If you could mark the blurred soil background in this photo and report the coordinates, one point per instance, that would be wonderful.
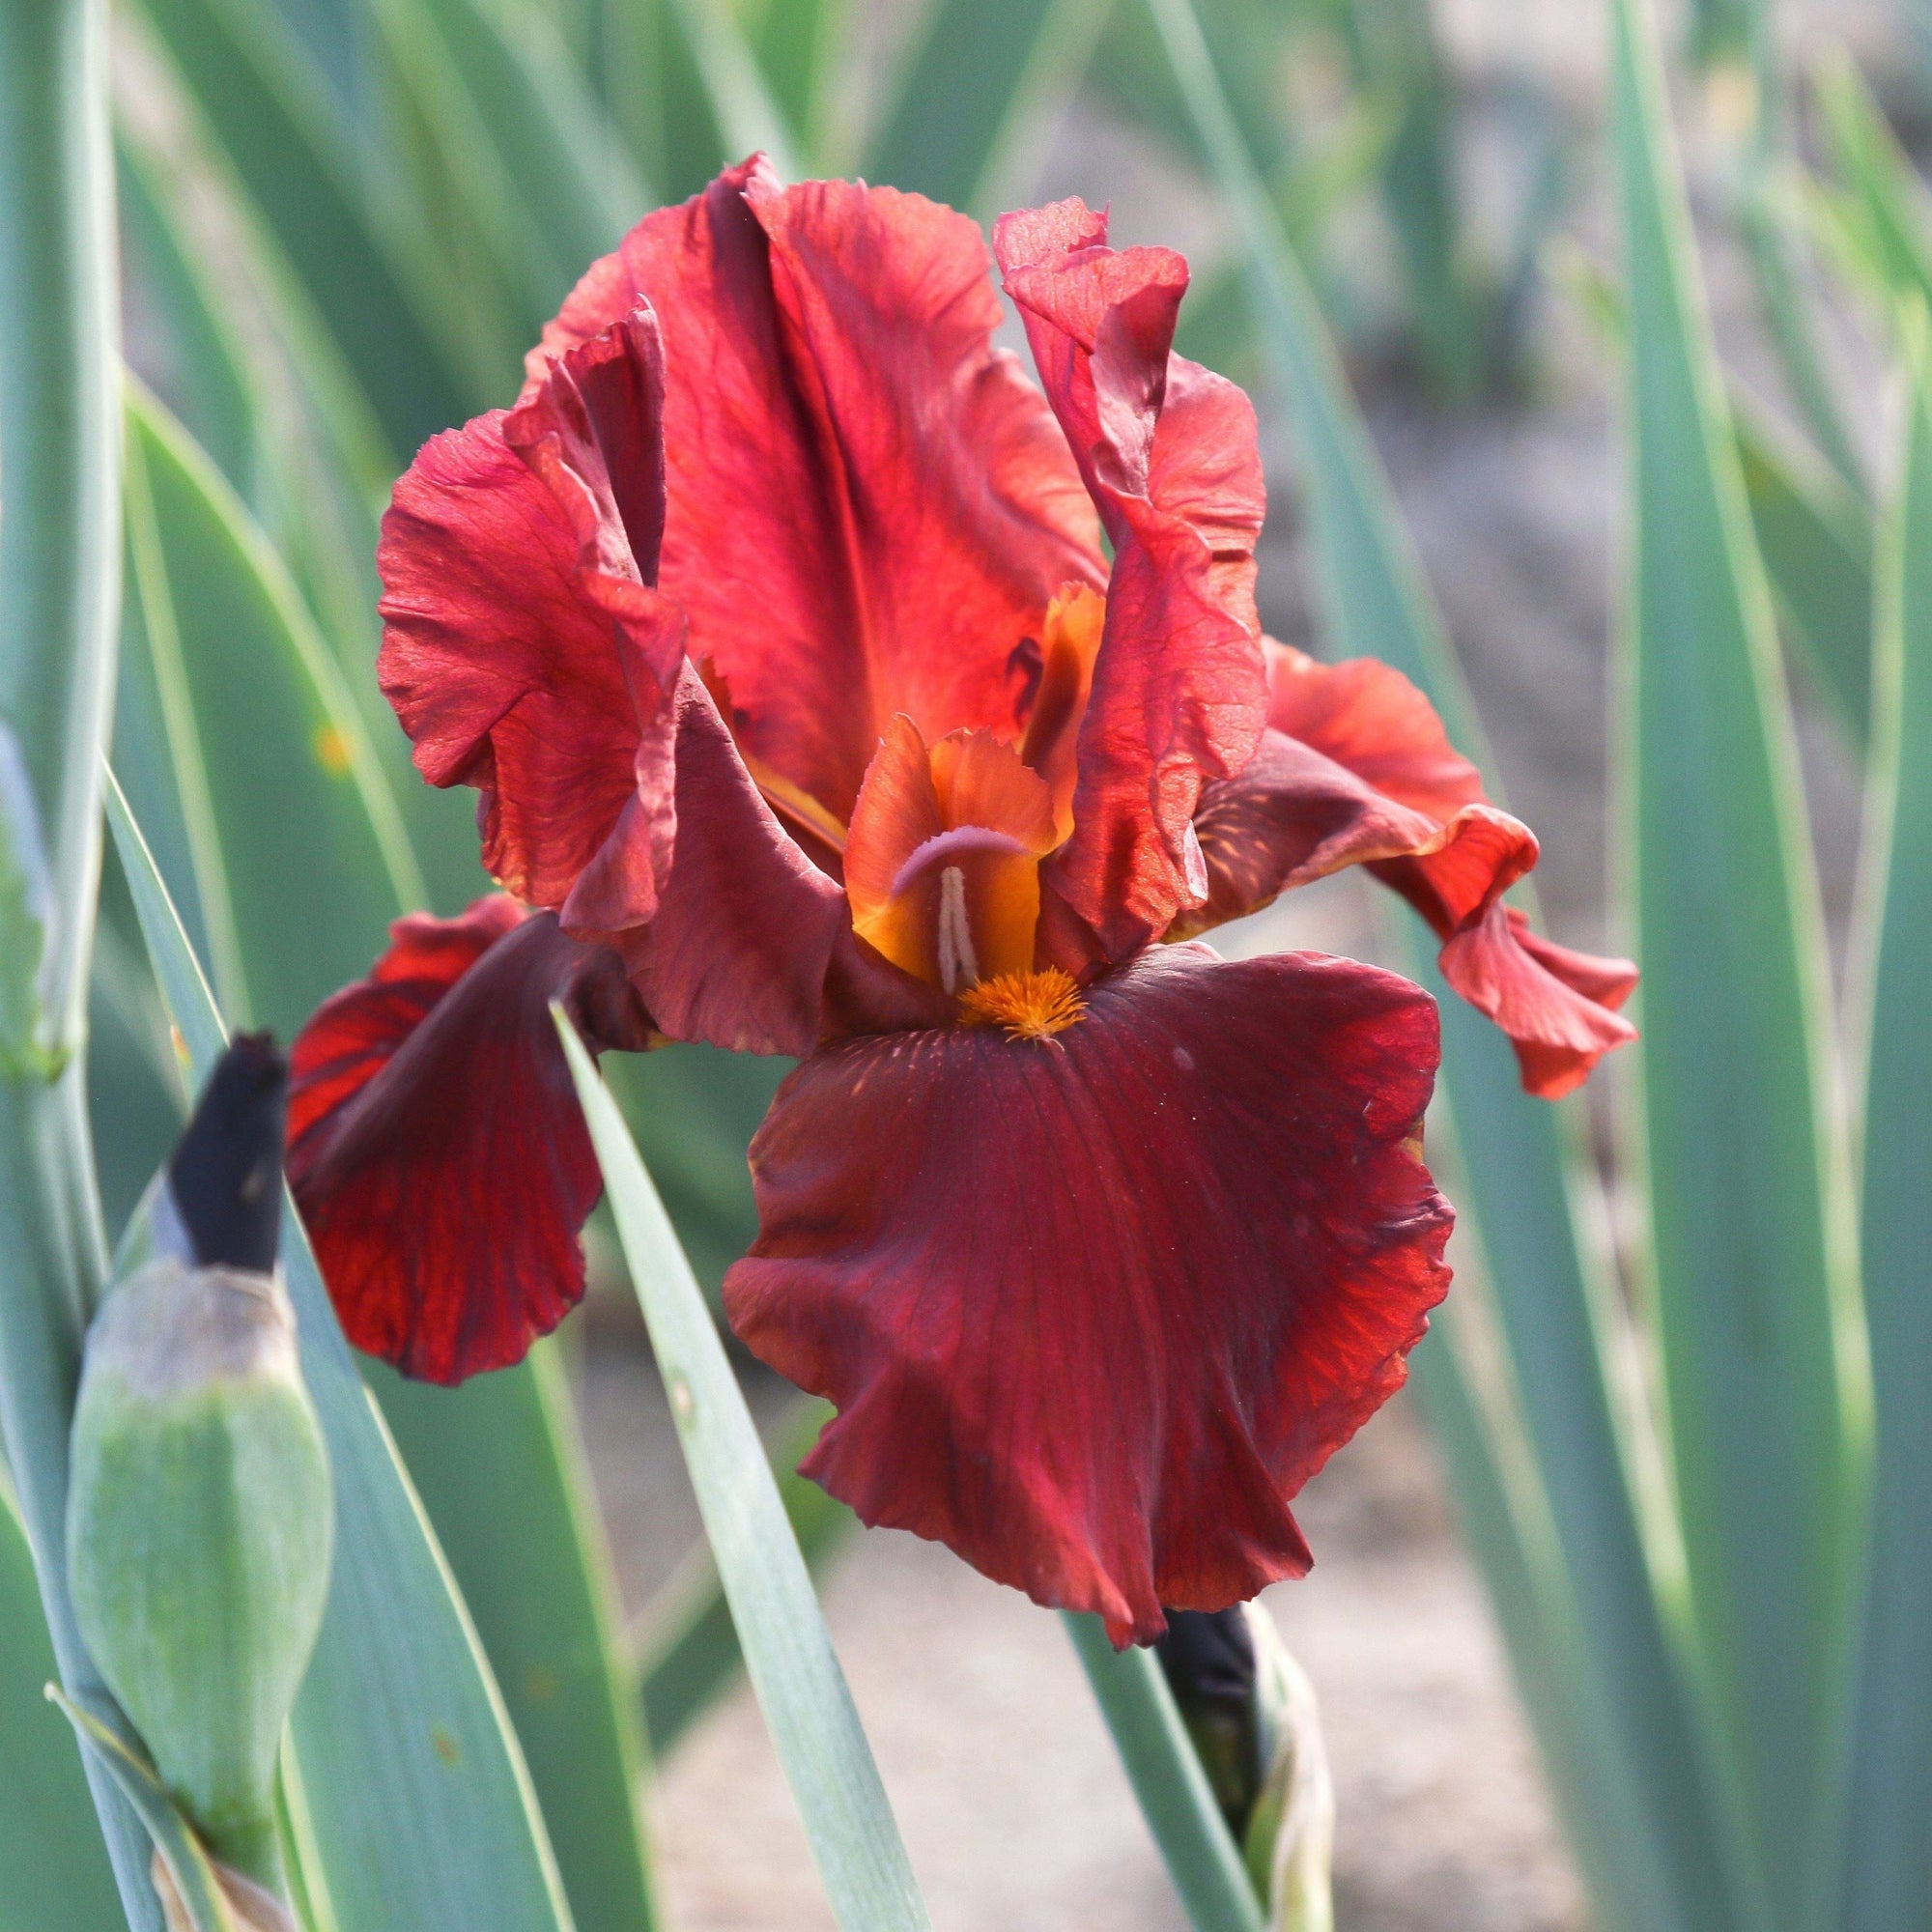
(1015, 1810)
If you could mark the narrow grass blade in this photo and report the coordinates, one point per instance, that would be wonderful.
(788, 1650)
(502, 1476)
(982, 75)
(1202, 1858)
(1753, 1251)
(57, 1874)
(1636, 1733)
(1887, 1862)
(173, 1839)
(1816, 539)
(688, 1651)
(293, 835)
(419, 1802)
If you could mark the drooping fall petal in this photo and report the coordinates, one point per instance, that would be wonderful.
(1094, 1307)
(869, 506)
(1356, 769)
(1169, 452)
(524, 648)
(435, 1146)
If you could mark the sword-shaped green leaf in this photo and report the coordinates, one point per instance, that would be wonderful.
(1888, 1863)
(1753, 1254)
(788, 1652)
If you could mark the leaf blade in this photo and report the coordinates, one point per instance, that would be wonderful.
(788, 1650)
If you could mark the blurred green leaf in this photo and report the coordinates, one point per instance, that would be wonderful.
(1815, 536)
(1887, 1867)
(1181, 1810)
(1628, 1745)
(980, 74)
(417, 1798)
(208, 385)
(350, 244)
(690, 1650)
(288, 818)
(1753, 1253)
(788, 1650)
(1876, 219)
(747, 116)
(502, 1476)
(57, 1874)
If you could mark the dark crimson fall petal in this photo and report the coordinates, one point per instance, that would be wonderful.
(435, 1146)
(869, 506)
(1094, 1310)
(1169, 453)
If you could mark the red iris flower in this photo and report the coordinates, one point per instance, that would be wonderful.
(777, 629)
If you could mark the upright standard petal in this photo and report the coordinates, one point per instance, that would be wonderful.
(869, 506)
(523, 648)
(1094, 1307)
(436, 1147)
(1169, 453)
(1356, 769)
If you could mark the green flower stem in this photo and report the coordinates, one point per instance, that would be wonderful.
(60, 547)
(1202, 1858)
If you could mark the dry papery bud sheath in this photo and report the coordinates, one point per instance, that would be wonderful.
(201, 1515)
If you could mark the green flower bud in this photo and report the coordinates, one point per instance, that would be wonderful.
(199, 1527)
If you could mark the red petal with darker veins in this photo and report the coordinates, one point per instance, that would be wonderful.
(1169, 452)
(1094, 1311)
(1356, 769)
(523, 648)
(435, 1146)
(869, 506)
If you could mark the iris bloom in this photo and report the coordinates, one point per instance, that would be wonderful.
(777, 628)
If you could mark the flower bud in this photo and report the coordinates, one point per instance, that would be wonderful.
(199, 1515)
(1250, 1712)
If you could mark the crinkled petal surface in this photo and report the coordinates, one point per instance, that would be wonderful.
(869, 506)
(436, 1147)
(1093, 1309)
(1169, 452)
(523, 648)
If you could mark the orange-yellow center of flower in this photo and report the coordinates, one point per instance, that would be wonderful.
(1030, 1006)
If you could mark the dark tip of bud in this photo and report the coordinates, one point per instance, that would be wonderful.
(226, 1173)
(1207, 1657)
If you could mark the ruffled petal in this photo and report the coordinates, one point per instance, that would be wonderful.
(524, 648)
(436, 1147)
(1356, 769)
(1294, 816)
(1169, 452)
(1093, 1309)
(1559, 1008)
(868, 505)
